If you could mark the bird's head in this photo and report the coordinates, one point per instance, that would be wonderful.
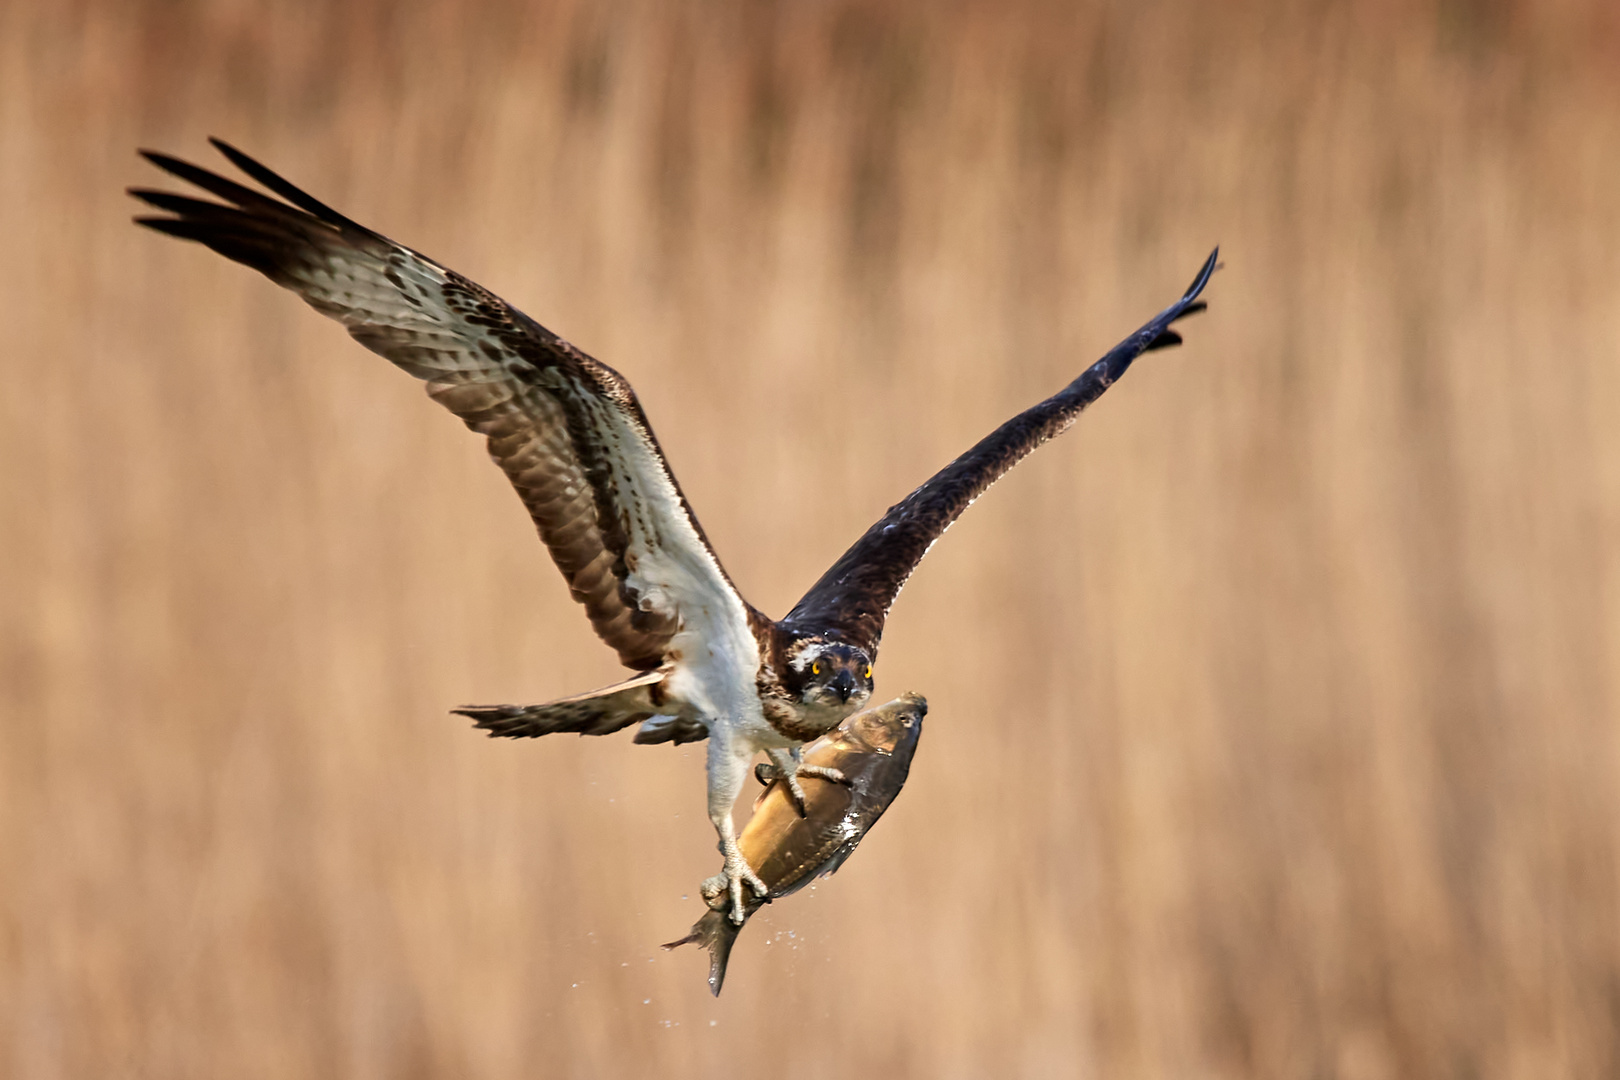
(833, 676)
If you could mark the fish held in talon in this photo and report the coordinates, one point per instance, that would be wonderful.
(849, 778)
(571, 436)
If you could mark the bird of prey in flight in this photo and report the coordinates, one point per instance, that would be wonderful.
(572, 438)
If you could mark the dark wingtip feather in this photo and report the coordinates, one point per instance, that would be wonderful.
(156, 223)
(284, 188)
(1167, 339)
(169, 225)
(160, 159)
(229, 190)
(168, 200)
(1209, 267)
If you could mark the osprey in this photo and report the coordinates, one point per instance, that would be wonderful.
(572, 438)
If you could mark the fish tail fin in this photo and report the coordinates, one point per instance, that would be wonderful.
(715, 932)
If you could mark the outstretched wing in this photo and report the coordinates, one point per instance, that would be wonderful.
(566, 428)
(853, 597)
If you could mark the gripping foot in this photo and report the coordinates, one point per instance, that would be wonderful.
(727, 885)
(769, 773)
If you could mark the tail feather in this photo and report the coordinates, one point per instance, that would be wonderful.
(717, 933)
(600, 712)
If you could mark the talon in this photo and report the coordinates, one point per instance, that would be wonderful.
(735, 873)
(796, 796)
(822, 772)
(769, 774)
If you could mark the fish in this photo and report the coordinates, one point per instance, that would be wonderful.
(873, 750)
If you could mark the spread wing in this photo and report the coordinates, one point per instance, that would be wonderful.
(565, 428)
(853, 597)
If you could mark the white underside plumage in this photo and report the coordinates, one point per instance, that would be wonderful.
(714, 657)
(573, 439)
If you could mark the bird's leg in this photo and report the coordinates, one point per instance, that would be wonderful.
(784, 767)
(787, 766)
(728, 765)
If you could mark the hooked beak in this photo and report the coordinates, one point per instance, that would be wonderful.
(844, 683)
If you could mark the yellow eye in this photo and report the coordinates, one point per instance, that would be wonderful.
(815, 669)
(867, 674)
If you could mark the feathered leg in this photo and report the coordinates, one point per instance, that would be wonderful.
(728, 767)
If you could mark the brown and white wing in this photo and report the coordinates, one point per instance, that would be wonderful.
(565, 428)
(853, 598)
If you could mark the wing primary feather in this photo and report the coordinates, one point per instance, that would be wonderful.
(284, 188)
(852, 599)
(229, 190)
(565, 428)
(175, 204)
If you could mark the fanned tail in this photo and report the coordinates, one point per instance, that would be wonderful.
(600, 712)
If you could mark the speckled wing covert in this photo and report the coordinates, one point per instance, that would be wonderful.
(853, 597)
(566, 428)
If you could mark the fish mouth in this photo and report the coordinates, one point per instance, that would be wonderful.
(884, 728)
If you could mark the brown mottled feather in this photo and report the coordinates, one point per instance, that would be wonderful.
(598, 712)
(853, 598)
(555, 418)
(572, 438)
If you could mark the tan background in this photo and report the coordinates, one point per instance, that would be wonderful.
(1274, 707)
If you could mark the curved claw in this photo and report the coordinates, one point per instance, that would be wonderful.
(768, 774)
(728, 885)
(736, 876)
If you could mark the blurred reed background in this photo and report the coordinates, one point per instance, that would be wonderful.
(1274, 706)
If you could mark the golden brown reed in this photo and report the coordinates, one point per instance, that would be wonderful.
(1274, 707)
